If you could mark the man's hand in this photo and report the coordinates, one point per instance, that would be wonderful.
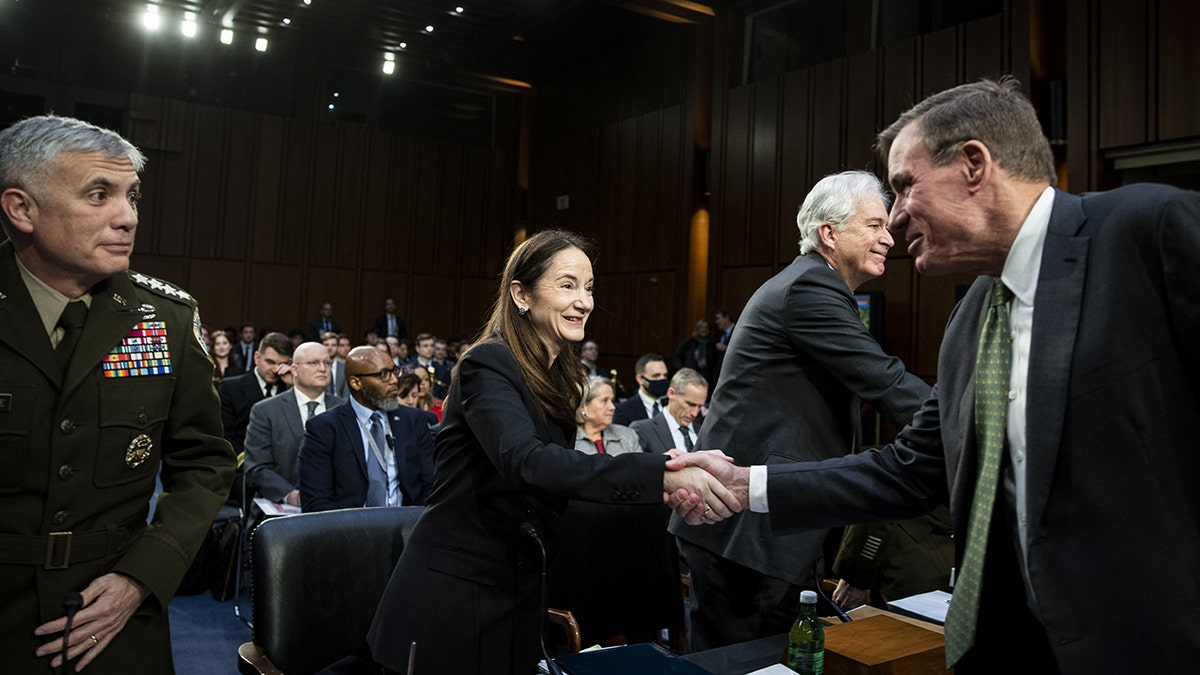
(292, 497)
(108, 602)
(735, 480)
(687, 489)
(848, 597)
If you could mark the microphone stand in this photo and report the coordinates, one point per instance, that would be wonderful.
(530, 532)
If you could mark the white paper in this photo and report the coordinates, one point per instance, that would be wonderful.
(272, 509)
(931, 605)
(774, 669)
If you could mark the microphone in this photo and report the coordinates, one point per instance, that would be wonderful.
(529, 531)
(71, 604)
(841, 614)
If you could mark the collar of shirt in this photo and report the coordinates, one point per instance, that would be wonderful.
(49, 302)
(302, 402)
(648, 402)
(262, 384)
(363, 413)
(1024, 260)
(676, 434)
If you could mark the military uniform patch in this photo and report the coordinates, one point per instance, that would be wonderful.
(138, 451)
(143, 351)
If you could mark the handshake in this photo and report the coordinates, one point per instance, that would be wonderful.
(705, 487)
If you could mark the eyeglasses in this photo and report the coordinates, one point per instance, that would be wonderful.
(316, 364)
(385, 375)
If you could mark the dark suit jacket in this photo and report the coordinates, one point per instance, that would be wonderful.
(69, 462)
(1111, 417)
(500, 465)
(655, 434)
(316, 328)
(243, 365)
(238, 395)
(273, 438)
(629, 411)
(333, 459)
(797, 369)
(380, 327)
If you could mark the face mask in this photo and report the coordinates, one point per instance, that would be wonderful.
(658, 388)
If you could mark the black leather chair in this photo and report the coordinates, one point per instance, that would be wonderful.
(317, 581)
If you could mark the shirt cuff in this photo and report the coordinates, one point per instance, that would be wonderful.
(758, 489)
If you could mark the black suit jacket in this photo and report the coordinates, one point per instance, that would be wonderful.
(629, 411)
(502, 468)
(797, 370)
(1111, 417)
(316, 328)
(333, 459)
(655, 433)
(380, 327)
(238, 395)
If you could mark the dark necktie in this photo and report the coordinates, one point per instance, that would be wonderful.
(654, 410)
(687, 439)
(312, 410)
(992, 368)
(377, 479)
(268, 390)
(71, 321)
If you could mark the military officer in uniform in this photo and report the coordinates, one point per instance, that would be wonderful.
(104, 383)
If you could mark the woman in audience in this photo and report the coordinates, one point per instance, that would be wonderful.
(467, 587)
(224, 356)
(409, 386)
(597, 433)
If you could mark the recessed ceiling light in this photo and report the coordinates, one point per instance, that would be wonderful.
(226, 36)
(260, 44)
(286, 21)
(150, 18)
(188, 25)
(403, 45)
(429, 28)
(459, 10)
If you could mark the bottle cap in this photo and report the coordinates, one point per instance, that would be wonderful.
(808, 597)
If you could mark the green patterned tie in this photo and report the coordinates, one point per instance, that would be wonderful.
(992, 367)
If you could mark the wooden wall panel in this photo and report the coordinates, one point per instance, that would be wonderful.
(445, 230)
(627, 187)
(739, 283)
(475, 300)
(208, 183)
(940, 61)
(983, 48)
(1178, 61)
(934, 302)
(241, 191)
(210, 281)
(862, 110)
(828, 128)
(346, 222)
(899, 79)
(373, 288)
(647, 197)
(428, 313)
(763, 222)
(1122, 91)
(657, 306)
(897, 284)
(425, 198)
(269, 185)
(172, 212)
(794, 178)
(272, 298)
(616, 313)
(730, 223)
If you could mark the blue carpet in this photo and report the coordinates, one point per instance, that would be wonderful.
(205, 634)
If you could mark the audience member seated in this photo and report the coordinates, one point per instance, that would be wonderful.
(651, 376)
(409, 388)
(678, 426)
(883, 562)
(597, 433)
(337, 366)
(589, 352)
(246, 347)
(698, 352)
(350, 457)
(276, 426)
(226, 360)
(270, 375)
(439, 374)
(424, 398)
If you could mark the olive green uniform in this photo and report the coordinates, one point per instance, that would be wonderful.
(898, 559)
(79, 451)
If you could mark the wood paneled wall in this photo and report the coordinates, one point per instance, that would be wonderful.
(265, 218)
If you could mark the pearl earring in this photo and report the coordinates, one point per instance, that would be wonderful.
(522, 311)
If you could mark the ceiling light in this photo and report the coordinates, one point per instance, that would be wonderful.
(286, 21)
(403, 45)
(226, 36)
(388, 56)
(429, 28)
(458, 10)
(389, 67)
(307, 2)
(331, 106)
(260, 44)
(150, 18)
(188, 26)
(336, 94)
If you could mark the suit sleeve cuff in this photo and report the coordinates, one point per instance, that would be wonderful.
(758, 489)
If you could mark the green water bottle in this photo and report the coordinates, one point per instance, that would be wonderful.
(806, 640)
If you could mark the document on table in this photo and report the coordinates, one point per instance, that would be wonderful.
(931, 605)
(774, 669)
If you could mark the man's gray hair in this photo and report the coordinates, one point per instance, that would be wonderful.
(29, 148)
(834, 200)
(687, 376)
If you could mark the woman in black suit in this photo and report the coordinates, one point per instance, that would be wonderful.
(467, 588)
